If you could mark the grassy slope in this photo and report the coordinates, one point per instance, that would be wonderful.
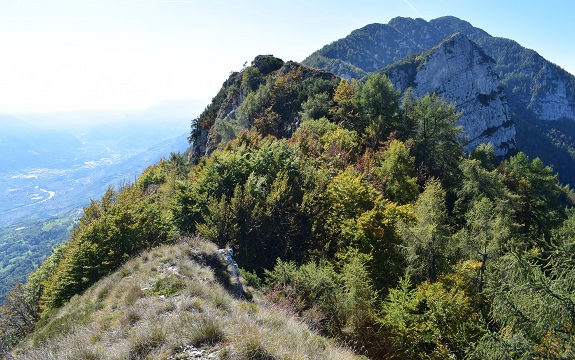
(165, 304)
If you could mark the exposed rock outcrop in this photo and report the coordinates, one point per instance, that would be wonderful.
(232, 268)
(555, 97)
(459, 71)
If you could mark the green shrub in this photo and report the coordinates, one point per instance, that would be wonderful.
(252, 279)
(110, 232)
(167, 286)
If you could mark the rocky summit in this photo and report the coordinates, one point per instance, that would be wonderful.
(461, 72)
(536, 88)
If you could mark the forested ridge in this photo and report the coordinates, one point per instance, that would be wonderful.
(353, 207)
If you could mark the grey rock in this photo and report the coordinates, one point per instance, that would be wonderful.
(232, 267)
(459, 71)
(553, 101)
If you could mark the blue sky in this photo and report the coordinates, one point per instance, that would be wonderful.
(70, 55)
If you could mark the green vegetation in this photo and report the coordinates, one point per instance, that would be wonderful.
(34, 241)
(110, 232)
(356, 214)
(552, 141)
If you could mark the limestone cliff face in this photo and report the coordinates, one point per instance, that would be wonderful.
(459, 71)
(552, 100)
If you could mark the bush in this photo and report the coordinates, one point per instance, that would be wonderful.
(110, 232)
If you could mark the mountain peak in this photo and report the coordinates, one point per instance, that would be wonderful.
(461, 72)
(461, 41)
(536, 90)
(402, 22)
(267, 63)
(452, 24)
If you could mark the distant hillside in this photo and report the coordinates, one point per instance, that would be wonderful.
(25, 144)
(24, 246)
(460, 72)
(533, 83)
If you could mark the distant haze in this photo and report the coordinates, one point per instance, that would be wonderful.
(178, 113)
(108, 55)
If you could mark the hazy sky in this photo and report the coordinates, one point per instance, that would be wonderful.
(69, 55)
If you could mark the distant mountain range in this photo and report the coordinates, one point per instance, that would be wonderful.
(538, 95)
(24, 144)
(533, 84)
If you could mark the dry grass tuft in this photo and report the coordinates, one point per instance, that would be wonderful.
(132, 295)
(144, 341)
